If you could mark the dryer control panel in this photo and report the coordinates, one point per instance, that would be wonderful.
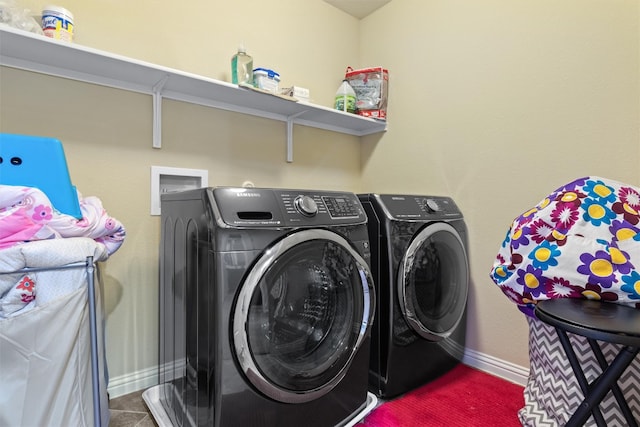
(284, 207)
(408, 207)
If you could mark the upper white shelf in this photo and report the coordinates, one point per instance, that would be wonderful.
(27, 51)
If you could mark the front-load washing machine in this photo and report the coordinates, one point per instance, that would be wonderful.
(420, 268)
(266, 302)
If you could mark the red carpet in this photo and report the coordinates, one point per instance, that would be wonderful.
(464, 397)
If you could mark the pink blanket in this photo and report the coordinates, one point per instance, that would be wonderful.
(26, 215)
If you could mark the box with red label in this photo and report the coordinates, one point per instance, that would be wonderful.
(372, 87)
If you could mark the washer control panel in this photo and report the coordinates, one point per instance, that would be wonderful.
(336, 206)
(342, 207)
(431, 205)
(282, 207)
(419, 207)
(305, 205)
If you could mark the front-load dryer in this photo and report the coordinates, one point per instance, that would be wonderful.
(266, 302)
(420, 268)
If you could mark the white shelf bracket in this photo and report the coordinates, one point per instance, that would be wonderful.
(157, 111)
(290, 121)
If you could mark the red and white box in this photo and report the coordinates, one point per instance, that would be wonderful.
(372, 89)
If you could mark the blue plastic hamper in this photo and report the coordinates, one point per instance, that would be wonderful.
(36, 161)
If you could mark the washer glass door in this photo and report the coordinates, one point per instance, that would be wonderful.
(302, 314)
(433, 281)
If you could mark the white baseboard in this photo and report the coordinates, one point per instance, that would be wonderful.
(498, 367)
(135, 381)
(145, 378)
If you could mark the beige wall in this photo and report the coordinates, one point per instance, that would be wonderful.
(494, 103)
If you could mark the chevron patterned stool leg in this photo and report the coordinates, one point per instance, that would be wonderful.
(595, 321)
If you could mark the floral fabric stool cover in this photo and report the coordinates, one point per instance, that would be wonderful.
(581, 241)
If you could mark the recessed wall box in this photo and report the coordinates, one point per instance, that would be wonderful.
(172, 180)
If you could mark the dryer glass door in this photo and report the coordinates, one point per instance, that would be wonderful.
(301, 315)
(433, 281)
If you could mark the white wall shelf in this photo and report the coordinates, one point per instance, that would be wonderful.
(27, 51)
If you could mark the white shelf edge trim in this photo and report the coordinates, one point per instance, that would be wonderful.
(26, 51)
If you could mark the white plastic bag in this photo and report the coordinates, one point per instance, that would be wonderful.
(15, 16)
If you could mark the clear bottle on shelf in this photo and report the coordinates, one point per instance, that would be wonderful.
(242, 68)
(345, 98)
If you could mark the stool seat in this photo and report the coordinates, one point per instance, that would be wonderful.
(601, 321)
(597, 321)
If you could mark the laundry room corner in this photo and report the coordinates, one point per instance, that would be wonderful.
(497, 103)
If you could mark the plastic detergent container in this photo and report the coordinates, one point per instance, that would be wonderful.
(345, 98)
(57, 23)
(264, 78)
(242, 67)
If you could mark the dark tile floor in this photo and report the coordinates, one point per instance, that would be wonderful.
(130, 411)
